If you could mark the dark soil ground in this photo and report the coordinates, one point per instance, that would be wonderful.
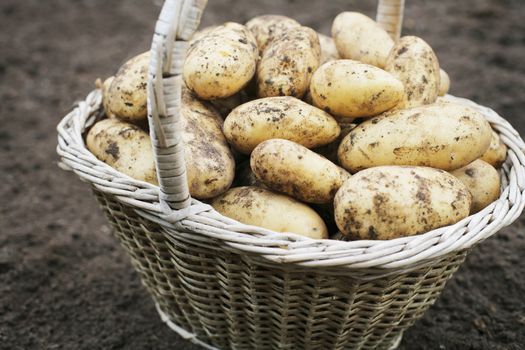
(65, 283)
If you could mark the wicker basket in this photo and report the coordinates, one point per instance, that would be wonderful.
(226, 285)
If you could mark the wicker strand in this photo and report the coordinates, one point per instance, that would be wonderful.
(177, 22)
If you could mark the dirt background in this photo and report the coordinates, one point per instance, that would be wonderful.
(64, 281)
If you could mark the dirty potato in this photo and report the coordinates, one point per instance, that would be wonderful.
(222, 62)
(287, 64)
(288, 167)
(123, 146)
(444, 82)
(279, 117)
(483, 182)
(351, 89)
(360, 38)
(263, 208)
(392, 201)
(328, 49)
(105, 96)
(446, 136)
(127, 95)
(496, 153)
(210, 166)
(413, 62)
(268, 27)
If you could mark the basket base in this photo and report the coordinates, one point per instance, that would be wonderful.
(193, 338)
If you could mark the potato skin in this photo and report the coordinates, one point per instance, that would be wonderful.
(123, 146)
(446, 136)
(287, 63)
(210, 165)
(360, 38)
(351, 89)
(105, 96)
(328, 49)
(496, 153)
(127, 95)
(279, 117)
(260, 207)
(392, 201)
(268, 27)
(415, 64)
(444, 82)
(482, 181)
(288, 167)
(222, 62)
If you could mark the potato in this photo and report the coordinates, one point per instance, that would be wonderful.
(222, 62)
(260, 207)
(288, 167)
(123, 146)
(446, 136)
(287, 64)
(127, 95)
(496, 153)
(444, 82)
(392, 201)
(350, 89)
(415, 64)
(328, 48)
(105, 96)
(360, 38)
(279, 117)
(210, 166)
(268, 27)
(482, 181)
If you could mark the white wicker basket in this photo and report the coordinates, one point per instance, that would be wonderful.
(227, 285)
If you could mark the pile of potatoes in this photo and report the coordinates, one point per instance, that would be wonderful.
(346, 136)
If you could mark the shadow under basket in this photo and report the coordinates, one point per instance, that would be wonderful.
(225, 285)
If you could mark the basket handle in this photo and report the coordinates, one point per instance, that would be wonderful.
(390, 16)
(177, 22)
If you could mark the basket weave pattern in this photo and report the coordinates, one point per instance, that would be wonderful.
(239, 301)
(227, 285)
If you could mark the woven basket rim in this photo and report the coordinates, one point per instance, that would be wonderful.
(288, 247)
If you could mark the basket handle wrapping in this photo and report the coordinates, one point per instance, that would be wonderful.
(177, 22)
(390, 16)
